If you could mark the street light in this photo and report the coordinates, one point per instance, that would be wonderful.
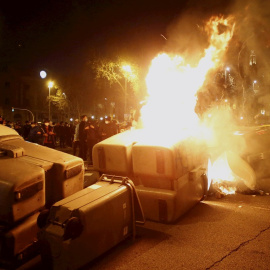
(33, 118)
(50, 85)
(254, 82)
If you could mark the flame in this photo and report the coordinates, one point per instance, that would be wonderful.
(227, 190)
(169, 116)
(221, 175)
(169, 113)
(220, 170)
(232, 172)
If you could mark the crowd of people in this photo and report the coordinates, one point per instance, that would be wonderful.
(81, 135)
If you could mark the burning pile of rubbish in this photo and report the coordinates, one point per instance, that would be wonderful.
(167, 157)
(174, 160)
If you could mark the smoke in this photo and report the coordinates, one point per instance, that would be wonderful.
(186, 37)
(221, 120)
(252, 18)
(186, 34)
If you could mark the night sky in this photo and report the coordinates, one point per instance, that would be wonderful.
(59, 32)
(62, 35)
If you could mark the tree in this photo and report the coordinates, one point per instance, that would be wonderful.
(60, 101)
(78, 87)
(121, 73)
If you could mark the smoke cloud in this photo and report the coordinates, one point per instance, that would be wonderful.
(187, 37)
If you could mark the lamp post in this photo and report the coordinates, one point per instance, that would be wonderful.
(33, 118)
(227, 69)
(50, 85)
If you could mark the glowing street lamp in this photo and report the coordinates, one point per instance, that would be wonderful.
(127, 68)
(254, 82)
(227, 69)
(50, 85)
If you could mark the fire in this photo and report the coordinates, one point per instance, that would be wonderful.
(172, 83)
(229, 172)
(220, 169)
(221, 175)
(169, 114)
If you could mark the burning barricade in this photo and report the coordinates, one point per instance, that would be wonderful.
(167, 158)
(230, 173)
(169, 179)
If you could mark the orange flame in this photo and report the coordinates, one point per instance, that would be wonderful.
(219, 173)
(229, 172)
(172, 84)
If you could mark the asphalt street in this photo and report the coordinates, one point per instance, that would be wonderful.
(232, 232)
(228, 233)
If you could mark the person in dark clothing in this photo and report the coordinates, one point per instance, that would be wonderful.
(18, 128)
(62, 134)
(26, 130)
(68, 134)
(92, 138)
(83, 137)
(56, 130)
(8, 124)
(107, 129)
(36, 134)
